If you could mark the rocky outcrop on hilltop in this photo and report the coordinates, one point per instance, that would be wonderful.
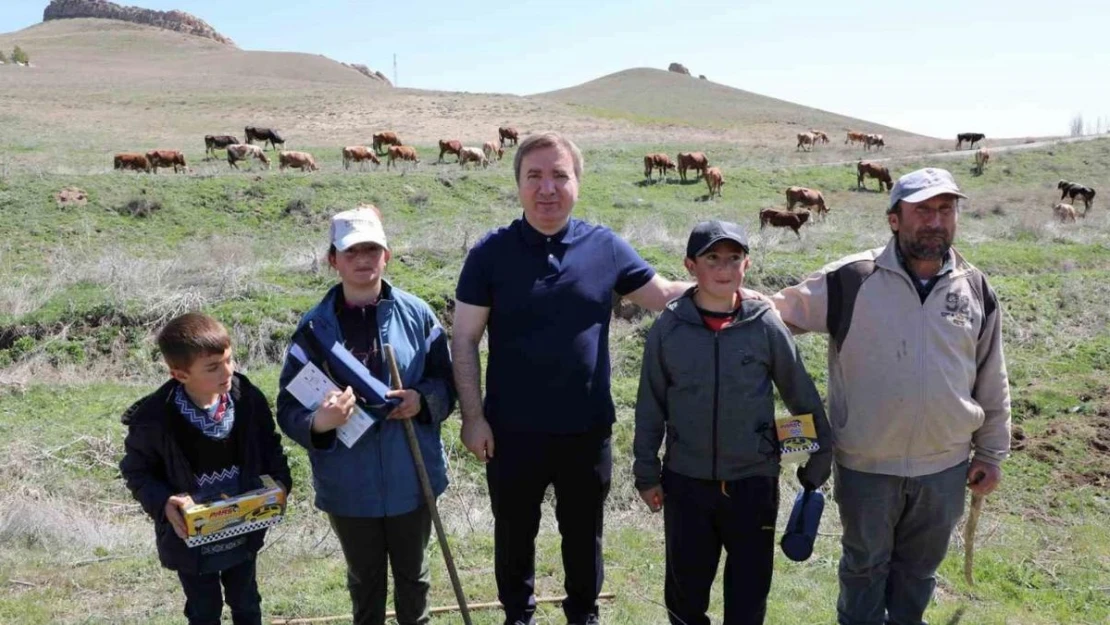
(678, 68)
(178, 21)
(369, 73)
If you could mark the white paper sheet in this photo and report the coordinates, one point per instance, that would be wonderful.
(310, 386)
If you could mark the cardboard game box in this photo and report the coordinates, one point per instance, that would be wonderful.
(248, 512)
(797, 437)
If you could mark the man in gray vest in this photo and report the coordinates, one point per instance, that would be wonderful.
(919, 400)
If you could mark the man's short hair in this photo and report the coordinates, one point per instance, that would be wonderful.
(190, 336)
(547, 140)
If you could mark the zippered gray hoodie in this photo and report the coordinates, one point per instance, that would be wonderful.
(710, 393)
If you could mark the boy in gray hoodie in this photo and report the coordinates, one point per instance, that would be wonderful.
(705, 382)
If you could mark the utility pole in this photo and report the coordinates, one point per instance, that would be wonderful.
(395, 83)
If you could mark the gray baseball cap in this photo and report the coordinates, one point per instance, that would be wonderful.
(920, 185)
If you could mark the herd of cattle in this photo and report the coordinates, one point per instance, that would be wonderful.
(811, 199)
(388, 145)
(385, 144)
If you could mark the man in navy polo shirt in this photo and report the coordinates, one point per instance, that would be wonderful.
(543, 287)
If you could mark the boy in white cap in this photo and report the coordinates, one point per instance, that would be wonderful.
(370, 489)
(918, 397)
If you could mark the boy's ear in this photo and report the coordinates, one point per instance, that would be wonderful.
(179, 375)
(689, 264)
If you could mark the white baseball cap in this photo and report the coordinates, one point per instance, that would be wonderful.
(920, 185)
(358, 225)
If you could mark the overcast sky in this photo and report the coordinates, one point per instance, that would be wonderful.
(1006, 68)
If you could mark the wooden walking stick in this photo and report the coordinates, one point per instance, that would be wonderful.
(426, 486)
(969, 536)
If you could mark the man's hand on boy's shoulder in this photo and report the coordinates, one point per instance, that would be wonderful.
(174, 506)
(653, 498)
(746, 293)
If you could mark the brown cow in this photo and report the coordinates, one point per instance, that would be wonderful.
(382, 139)
(475, 155)
(875, 141)
(297, 160)
(714, 180)
(167, 158)
(662, 162)
(867, 169)
(132, 160)
(806, 197)
(982, 156)
(856, 137)
(783, 219)
(450, 146)
(507, 134)
(243, 151)
(358, 154)
(489, 148)
(692, 160)
(402, 152)
(804, 139)
(1064, 212)
(217, 142)
(821, 136)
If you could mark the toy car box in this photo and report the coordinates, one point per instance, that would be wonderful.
(224, 518)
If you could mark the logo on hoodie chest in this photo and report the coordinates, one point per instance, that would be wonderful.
(957, 309)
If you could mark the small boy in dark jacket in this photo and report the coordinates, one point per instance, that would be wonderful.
(705, 383)
(205, 433)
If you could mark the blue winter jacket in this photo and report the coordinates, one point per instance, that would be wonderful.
(377, 476)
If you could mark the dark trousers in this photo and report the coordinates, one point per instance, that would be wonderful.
(580, 467)
(700, 517)
(204, 603)
(369, 543)
(896, 532)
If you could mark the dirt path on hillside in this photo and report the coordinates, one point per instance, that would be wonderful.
(962, 153)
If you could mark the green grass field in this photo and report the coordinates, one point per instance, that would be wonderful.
(83, 288)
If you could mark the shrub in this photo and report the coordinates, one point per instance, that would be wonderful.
(19, 56)
(140, 207)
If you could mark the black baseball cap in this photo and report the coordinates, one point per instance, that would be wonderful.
(705, 234)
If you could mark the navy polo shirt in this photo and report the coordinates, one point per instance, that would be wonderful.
(550, 301)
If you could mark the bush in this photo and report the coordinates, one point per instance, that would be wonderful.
(3, 57)
(139, 207)
(19, 56)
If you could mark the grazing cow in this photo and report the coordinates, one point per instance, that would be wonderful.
(854, 137)
(265, 135)
(401, 152)
(167, 158)
(382, 139)
(875, 141)
(982, 157)
(714, 180)
(662, 162)
(970, 137)
(244, 151)
(450, 146)
(217, 142)
(1073, 190)
(804, 139)
(507, 135)
(467, 155)
(692, 160)
(489, 148)
(783, 219)
(297, 160)
(358, 154)
(806, 197)
(867, 169)
(1065, 212)
(821, 136)
(132, 160)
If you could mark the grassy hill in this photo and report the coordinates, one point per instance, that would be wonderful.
(82, 289)
(654, 95)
